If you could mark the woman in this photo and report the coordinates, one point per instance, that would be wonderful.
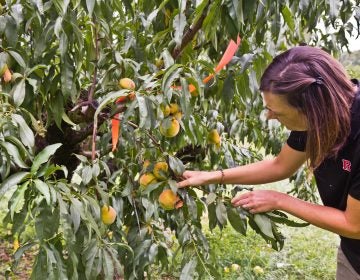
(308, 92)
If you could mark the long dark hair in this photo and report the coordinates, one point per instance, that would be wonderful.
(316, 84)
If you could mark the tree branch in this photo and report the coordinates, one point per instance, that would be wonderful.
(93, 84)
(190, 33)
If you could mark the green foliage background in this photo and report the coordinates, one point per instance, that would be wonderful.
(66, 58)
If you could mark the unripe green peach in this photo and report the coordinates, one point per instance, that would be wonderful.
(169, 127)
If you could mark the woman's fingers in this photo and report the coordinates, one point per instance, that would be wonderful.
(242, 199)
(193, 178)
(183, 183)
(188, 176)
(258, 201)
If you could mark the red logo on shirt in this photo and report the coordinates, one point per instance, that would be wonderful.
(346, 165)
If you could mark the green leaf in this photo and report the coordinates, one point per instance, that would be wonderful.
(44, 156)
(285, 220)
(176, 165)
(58, 263)
(179, 24)
(236, 221)
(35, 69)
(171, 74)
(210, 198)
(66, 119)
(11, 31)
(168, 59)
(188, 271)
(40, 265)
(253, 84)
(61, 5)
(90, 4)
(39, 5)
(110, 98)
(58, 27)
(18, 92)
(90, 254)
(221, 214)
(5, 164)
(334, 8)
(235, 11)
(86, 174)
(67, 75)
(288, 17)
(19, 220)
(153, 252)
(53, 168)
(17, 200)
(212, 216)
(20, 252)
(47, 221)
(228, 91)
(43, 188)
(264, 224)
(143, 113)
(13, 151)
(108, 264)
(95, 170)
(18, 58)
(12, 181)
(75, 211)
(26, 134)
(184, 235)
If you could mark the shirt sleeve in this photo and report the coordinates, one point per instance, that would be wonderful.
(354, 189)
(297, 140)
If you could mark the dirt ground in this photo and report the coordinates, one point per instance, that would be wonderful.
(22, 271)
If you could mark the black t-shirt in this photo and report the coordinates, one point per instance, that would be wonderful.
(336, 178)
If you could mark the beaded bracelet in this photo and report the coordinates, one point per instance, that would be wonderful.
(222, 176)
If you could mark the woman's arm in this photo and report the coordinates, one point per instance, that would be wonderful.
(345, 223)
(265, 171)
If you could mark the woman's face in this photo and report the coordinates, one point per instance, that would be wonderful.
(279, 109)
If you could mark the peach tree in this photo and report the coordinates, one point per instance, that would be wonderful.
(105, 103)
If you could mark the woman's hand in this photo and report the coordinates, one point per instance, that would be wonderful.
(259, 201)
(199, 178)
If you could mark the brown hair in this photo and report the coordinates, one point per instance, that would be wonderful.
(316, 84)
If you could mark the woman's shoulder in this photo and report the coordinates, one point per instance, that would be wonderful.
(355, 113)
(355, 109)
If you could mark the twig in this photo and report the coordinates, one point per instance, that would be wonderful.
(84, 103)
(93, 144)
(88, 154)
(136, 214)
(153, 139)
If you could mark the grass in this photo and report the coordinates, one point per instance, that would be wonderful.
(308, 253)
(23, 270)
